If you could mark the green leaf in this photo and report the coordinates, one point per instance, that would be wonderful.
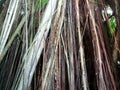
(41, 3)
(112, 25)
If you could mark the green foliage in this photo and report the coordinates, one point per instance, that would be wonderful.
(112, 25)
(41, 3)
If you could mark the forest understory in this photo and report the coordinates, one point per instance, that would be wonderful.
(59, 44)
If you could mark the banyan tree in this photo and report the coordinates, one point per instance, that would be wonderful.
(59, 44)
